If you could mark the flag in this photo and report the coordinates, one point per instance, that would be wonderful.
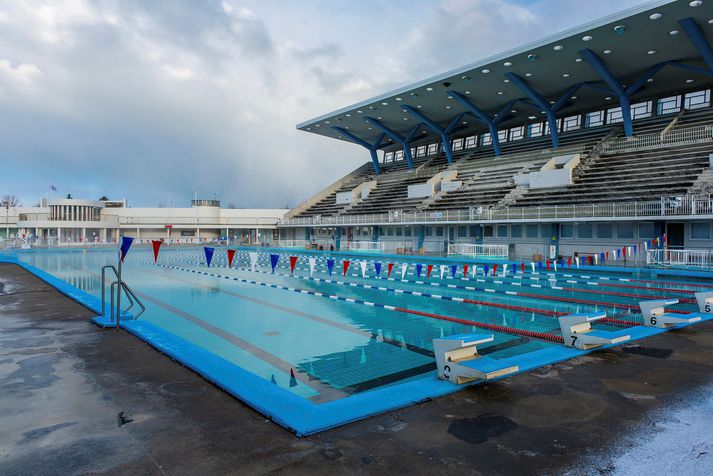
(419, 268)
(569, 262)
(125, 245)
(253, 260)
(293, 263)
(273, 261)
(231, 255)
(576, 261)
(465, 270)
(495, 270)
(429, 268)
(454, 270)
(486, 269)
(345, 266)
(514, 269)
(532, 264)
(156, 244)
(377, 268)
(522, 268)
(363, 264)
(548, 266)
(330, 265)
(51, 188)
(312, 264)
(505, 269)
(208, 254)
(443, 270)
(404, 267)
(389, 267)
(554, 263)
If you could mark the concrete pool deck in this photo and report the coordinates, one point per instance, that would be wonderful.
(75, 399)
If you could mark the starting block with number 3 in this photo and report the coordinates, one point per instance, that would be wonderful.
(578, 333)
(458, 361)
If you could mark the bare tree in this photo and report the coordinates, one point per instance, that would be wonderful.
(10, 201)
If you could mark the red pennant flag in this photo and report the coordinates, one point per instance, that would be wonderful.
(495, 270)
(293, 262)
(156, 247)
(664, 238)
(231, 255)
(389, 267)
(428, 270)
(548, 266)
(345, 265)
(465, 270)
(590, 259)
(606, 255)
(623, 251)
(569, 262)
(522, 267)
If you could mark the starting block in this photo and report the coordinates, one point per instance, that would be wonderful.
(655, 315)
(578, 333)
(705, 302)
(458, 361)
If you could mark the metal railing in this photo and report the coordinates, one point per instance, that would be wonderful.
(665, 258)
(685, 205)
(655, 140)
(478, 251)
(115, 311)
(365, 246)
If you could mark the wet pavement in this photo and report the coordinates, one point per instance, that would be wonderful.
(76, 399)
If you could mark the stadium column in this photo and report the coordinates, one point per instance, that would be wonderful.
(484, 117)
(372, 148)
(421, 236)
(308, 234)
(444, 132)
(405, 141)
(338, 239)
(554, 241)
(614, 84)
(375, 233)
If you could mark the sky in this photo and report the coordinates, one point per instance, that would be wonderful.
(155, 100)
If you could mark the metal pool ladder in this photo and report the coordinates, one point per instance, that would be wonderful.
(131, 296)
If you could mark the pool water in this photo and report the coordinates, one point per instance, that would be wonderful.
(328, 337)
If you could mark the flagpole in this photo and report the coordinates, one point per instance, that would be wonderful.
(47, 191)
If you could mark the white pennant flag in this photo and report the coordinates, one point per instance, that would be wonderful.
(576, 261)
(404, 267)
(533, 266)
(363, 268)
(312, 264)
(443, 270)
(555, 263)
(253, 260)
(614, 254)
(505, 269)
(628, 250)
(475, 268)
(596, 259)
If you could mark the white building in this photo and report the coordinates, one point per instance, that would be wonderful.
(72, 221)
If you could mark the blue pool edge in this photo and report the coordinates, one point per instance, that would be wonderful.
(289, 410)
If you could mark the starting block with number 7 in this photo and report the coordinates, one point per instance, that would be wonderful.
(578, 333)
(458, 361)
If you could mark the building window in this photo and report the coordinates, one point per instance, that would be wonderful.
(421, 151)
(458, 144)
(390, 231)
(516, 231)
(432, 149)
(471, 142)
(566, 230)
(503, 136)
(571, 123)
(625, 230)
(517, 133)
(614, 115)
(646, 230)
(399, 155)
(502, 231)
(485, 139)
(388, 156)
(531, 231)
(429, 231)
(439, 231)
(558, 122)
(545, 231)
(594, 119)
(604, 230)
(669, 105)
(407, 231)
(462, 232)
(641, 110)
(697, 99)
(474, 231)
(584, 230)
(399, 231)
(700, 231)
(488, 231)
(534, 130)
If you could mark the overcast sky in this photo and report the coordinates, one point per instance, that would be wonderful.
(136, 99)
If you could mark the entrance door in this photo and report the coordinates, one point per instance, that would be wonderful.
(675, 236)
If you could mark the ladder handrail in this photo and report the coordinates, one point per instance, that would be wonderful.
(113, 268)
(133, 299)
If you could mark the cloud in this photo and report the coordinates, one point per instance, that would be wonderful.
(137, 99)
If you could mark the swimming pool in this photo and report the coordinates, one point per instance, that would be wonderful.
(314, 349)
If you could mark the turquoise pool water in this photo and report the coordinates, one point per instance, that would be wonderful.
(326, 337)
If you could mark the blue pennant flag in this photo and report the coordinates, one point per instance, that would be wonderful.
(486, 270)
(454, 270)
(125, 245)
(539, 266)
(618, 253)
(419, 268)
(330, 265)
(601, 257)
(562, 264)
(208, 254)
(514, 269)
(635, 248)
(377, 267)
(273, 261)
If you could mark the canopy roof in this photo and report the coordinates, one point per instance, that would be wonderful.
(628, 44)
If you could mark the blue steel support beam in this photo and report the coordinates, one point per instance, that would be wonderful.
(373, 148)
(614, 84)
(694, 33)
(482, 116)
(404, 141)
(444, 132)
(538, 99)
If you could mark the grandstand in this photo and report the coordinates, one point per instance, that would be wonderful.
(599, 136)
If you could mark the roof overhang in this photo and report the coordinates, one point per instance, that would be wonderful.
(551, 66)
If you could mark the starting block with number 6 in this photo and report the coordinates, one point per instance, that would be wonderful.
(578, 333)
(655, 315)
(458, 361)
